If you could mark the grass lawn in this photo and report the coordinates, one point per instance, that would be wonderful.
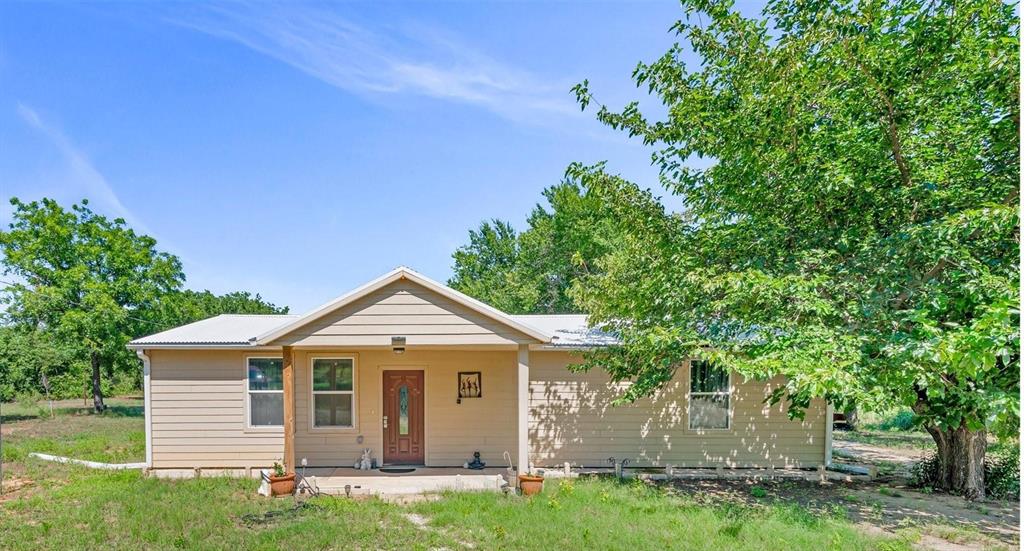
(53, 506)
(910, 440)
(116, 436)
(602, 514)
(86, 510)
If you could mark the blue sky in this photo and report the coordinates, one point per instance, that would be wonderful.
(298, 150)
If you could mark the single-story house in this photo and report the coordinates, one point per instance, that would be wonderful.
(422, 374)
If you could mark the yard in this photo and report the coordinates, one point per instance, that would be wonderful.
(48, 506)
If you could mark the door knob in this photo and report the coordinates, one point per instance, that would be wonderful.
(385, 421)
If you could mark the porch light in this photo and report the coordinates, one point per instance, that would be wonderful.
(398, 345)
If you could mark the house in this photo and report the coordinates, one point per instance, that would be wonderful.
(422, 374)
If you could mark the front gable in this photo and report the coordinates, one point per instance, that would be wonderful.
(405, 305)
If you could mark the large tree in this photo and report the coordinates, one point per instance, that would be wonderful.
(82, 286)
(855, 226)
(530, 272)
(83, 277)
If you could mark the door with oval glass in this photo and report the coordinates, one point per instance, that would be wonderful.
(403, 417)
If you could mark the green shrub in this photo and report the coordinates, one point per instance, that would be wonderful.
(758, 492)
(903, 420)
(1002, 473)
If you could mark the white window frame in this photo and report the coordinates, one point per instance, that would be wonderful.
(728, 393)
(312, 395)
(249, 427)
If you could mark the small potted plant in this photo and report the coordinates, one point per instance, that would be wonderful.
(531, 484)
(281, 483)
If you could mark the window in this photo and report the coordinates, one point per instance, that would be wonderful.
(266, 392)
(333, 396)
(403, 410)
(709, 396)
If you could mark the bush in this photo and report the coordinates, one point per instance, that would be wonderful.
(902, 421)
(1002, 473)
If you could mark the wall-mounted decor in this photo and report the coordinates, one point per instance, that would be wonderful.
(469, 384)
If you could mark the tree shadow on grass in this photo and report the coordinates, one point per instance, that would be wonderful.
(111, 411)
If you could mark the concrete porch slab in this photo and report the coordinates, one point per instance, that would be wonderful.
(424, 480)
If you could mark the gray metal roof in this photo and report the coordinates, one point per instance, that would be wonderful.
(568, 330)
(225, 329)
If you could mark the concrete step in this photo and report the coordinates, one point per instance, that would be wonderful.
(406, 485)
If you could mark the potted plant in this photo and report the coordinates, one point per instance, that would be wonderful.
(531, 484)
(281, 483)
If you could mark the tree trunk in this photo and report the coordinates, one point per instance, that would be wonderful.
(961, 468)
(97, 391)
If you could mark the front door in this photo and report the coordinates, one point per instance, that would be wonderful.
(403, 417)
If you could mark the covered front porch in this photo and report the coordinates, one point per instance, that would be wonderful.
(423, 407)
(408, 371)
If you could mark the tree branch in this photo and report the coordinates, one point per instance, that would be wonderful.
(891, 129)
(944, 262)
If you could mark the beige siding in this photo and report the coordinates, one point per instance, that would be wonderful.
(198, 402)
(572, 419)
(453, 431)
(406, 309)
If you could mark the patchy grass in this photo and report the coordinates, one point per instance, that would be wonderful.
(114, 436)
(48, 506)
(908, 440)
(604, 514)
(964, 537)
(123, 510)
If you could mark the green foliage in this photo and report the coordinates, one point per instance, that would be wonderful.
(26, 356)
(1002, 473)
(856, 228)
(82, 287)
(530, 272)
(758, 492)
(83, 278)
(902, 420)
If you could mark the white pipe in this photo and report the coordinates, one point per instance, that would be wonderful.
(91, 464)
(146, 404)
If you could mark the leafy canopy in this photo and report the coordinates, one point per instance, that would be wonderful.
(531, 272)
(857, 229)
(83, 285)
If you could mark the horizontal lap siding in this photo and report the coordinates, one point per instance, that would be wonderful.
(198, 412)
(572, 419)
(453, 431)
(403, 309)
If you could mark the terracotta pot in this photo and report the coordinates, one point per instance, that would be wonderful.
(282, 485)
(531, 484)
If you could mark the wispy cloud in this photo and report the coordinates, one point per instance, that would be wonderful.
(82, 174)
(406, 60)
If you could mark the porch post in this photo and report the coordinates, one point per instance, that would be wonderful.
(288, 374)
(523, 410)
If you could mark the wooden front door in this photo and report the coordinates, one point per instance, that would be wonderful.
(403, 417)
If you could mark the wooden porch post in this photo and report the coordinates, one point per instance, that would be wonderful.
(523, 410)
(288, 373)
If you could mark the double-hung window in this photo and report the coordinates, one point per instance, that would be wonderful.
(709, 396)
(265, 392)
(333, 392)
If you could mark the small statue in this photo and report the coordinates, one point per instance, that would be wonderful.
(476, 464)
(365, 462)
